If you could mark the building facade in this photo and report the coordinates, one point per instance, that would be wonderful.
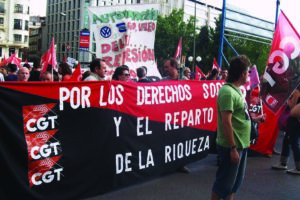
(35, 50)
(14, 27)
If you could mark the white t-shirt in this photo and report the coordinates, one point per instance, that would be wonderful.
(1, 77)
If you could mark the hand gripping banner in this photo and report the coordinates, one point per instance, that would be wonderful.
(74, 140)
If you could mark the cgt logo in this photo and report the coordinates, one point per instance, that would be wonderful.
(105, 32)
(271, 100)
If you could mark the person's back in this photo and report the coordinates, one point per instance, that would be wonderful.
(141, 74)
(35, 73)
(12, 75)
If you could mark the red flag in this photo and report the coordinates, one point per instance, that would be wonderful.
(4, 61)
(49, 58)
(14, 59)
(76, 76)
(199, 74)
(215, 65)
(281, 75)
(178, 51)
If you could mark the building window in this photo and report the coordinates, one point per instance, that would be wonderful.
(18, 8)
(17, 38)
(26, 25)
(1, 20)
(18, 24)
(2, 10)
(25, 39)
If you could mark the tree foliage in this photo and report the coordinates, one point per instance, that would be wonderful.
(168, 32)
(207, 42)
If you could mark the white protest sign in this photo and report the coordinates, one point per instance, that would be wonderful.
(125, 34)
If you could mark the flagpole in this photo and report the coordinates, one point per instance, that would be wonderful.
(277, 11)
(222, 34)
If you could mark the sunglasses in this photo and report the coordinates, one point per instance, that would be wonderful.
(126, 74)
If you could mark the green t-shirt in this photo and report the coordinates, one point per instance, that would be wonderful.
(231, 99)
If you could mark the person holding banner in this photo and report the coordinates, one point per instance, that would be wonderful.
(214, 74)
(171, 70)
(141, 74)
(186, 73)
(121, 73)
(98, 70)
(23, 74)
(12, 72)
(224, 74)
(46, 76)
(65, 71)
(233, 133)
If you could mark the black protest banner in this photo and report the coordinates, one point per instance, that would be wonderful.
(78, 139)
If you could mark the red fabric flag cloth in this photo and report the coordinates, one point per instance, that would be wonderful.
(199, 74)
(76, 76)
(281, 75)
(14, 59)
(49, 58)
(268, 132)
(215, 65)
(4, 61)
(178, 51)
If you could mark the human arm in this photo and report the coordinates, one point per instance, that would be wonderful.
(295, 112)
(228, 133)
(259, 119)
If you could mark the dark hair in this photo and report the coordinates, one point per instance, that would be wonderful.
(36, 64)
(26, 65)
(119, 71)
(65, 69)
(213, 74)
(140, 72)
(95, 63)
(55, 76)
(86, 74)
(146, 70)
(12, 67)
(238, 65)
(173, 62)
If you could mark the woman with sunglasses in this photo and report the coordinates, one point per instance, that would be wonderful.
(121, 73)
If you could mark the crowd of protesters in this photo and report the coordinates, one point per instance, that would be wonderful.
(97, 71)
(232, 141)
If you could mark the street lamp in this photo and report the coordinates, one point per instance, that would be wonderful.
(191, 59)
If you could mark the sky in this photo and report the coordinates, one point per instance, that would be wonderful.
(38, 7)
(264, 9)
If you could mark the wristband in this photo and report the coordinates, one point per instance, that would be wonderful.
(233, 147)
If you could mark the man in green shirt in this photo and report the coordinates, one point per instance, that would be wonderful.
(233, 136)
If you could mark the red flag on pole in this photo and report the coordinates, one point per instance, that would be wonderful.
(281, 75)
(14, 59)
(4, 61)
(49, 58)
(199, 74)
(178, 51)
(215, 65)
(76, 76)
